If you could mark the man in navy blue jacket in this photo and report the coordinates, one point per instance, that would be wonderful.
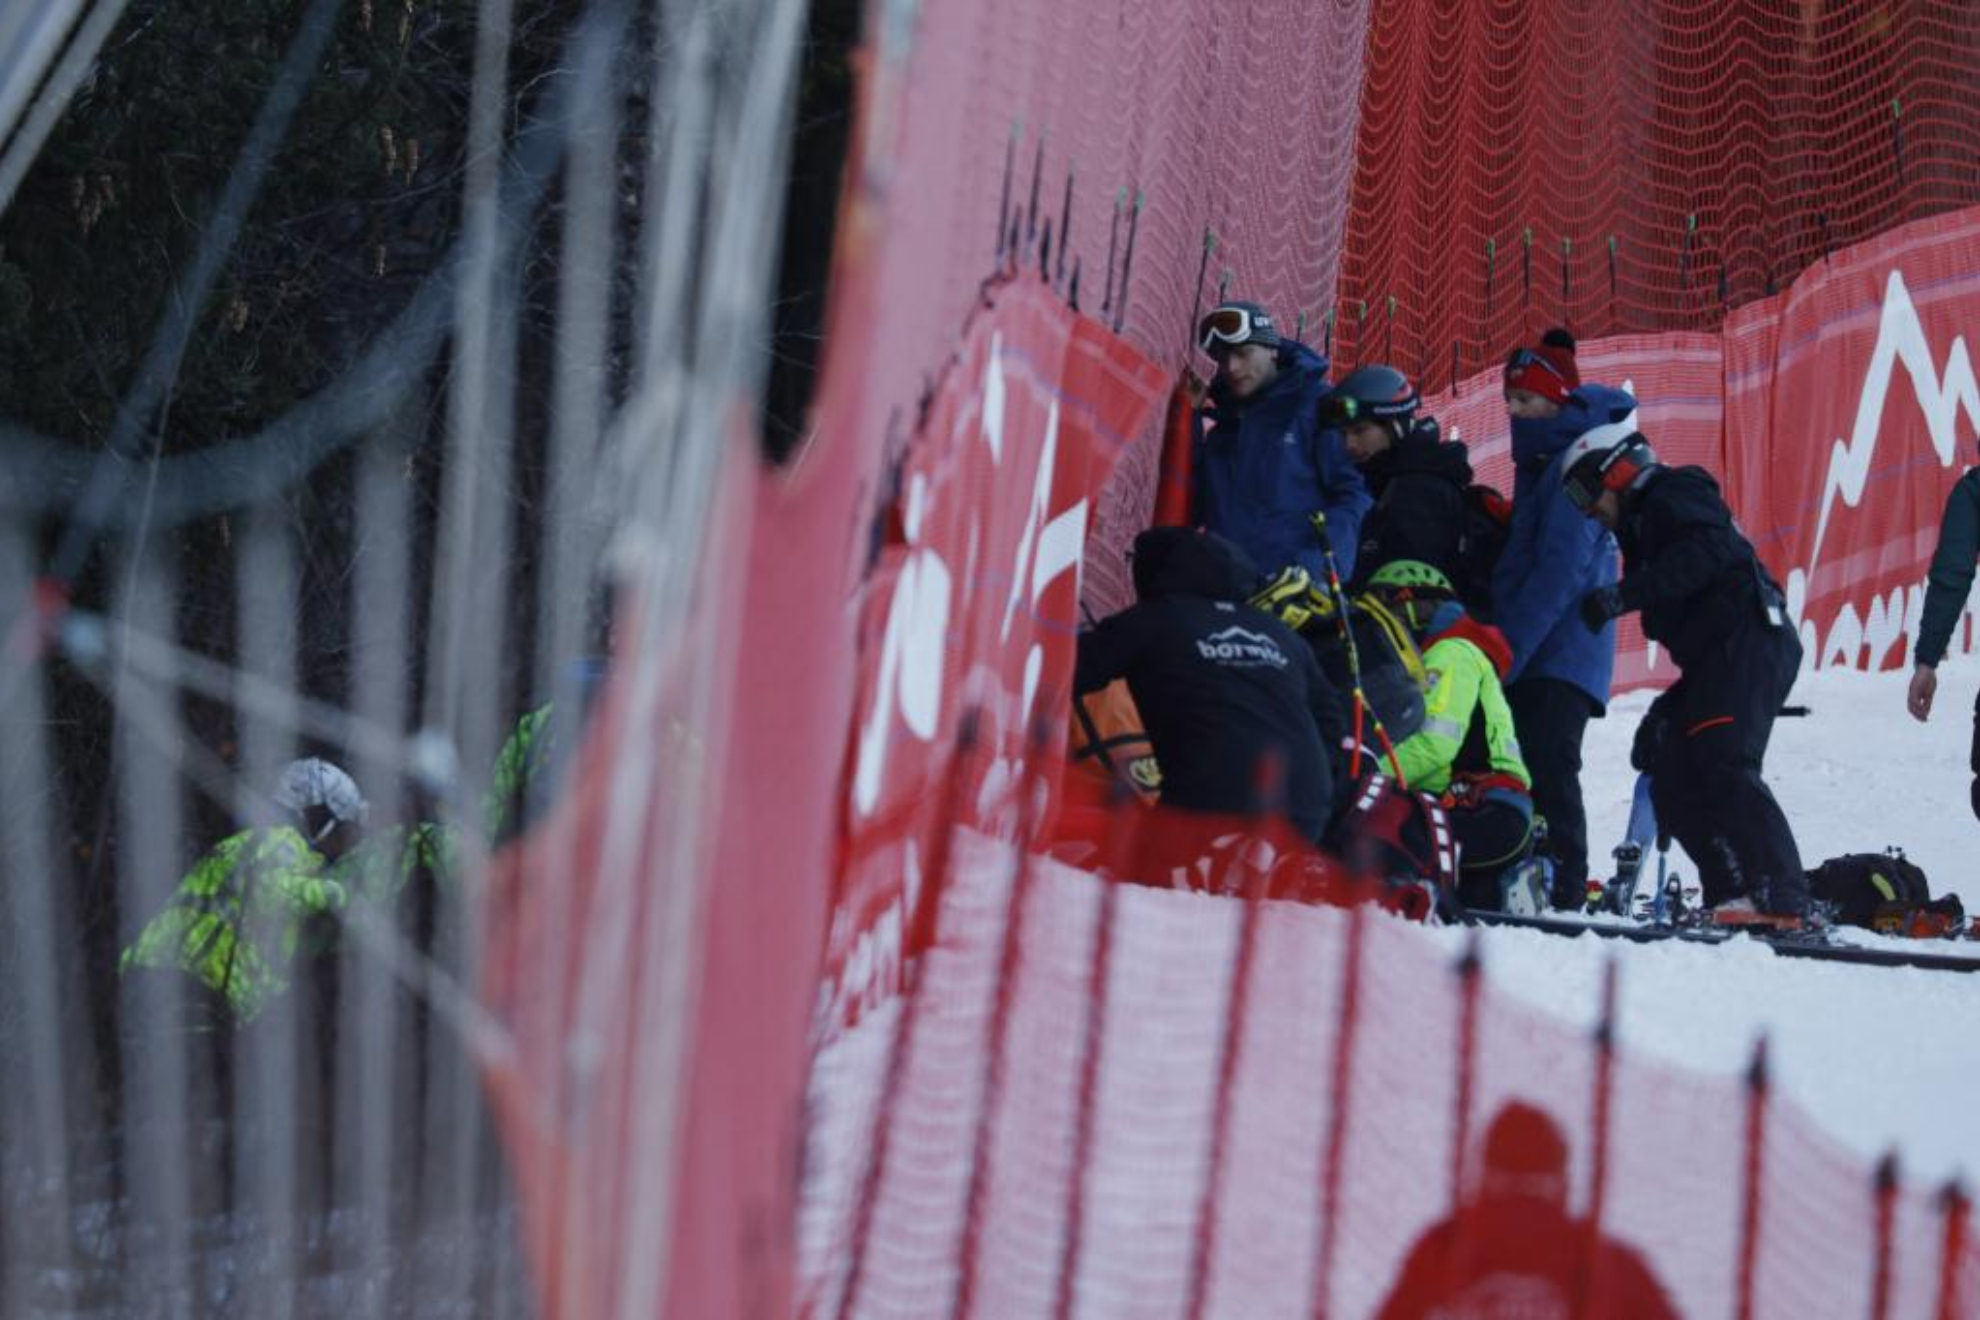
(1262, 465)
(1561, 671)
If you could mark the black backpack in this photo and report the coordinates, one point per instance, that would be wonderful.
(1860, 886)
(1487, 527)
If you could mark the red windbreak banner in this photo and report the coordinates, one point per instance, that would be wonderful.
(1837, 415)
(973, 613)
(1850, 410)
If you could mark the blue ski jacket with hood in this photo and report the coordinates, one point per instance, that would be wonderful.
(1264, 466)
(1555, 554)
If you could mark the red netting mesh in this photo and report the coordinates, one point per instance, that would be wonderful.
(1172, 121)
(1155, 1103)
(1635, 167)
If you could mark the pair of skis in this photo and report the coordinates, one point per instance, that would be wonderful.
(1660, 910)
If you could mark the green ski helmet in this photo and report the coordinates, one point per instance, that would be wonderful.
(1409, 575)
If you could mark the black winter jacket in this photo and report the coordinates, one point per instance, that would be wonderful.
(1418, 483)
(1221, 686)
(1687, 566)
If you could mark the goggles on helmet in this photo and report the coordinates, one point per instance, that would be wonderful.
(1606, 469)
(1582, 484)
(1338, 410)
(1227, 327)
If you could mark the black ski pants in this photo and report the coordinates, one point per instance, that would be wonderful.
(1492, 835)
(1551, 715)
(1705, 778)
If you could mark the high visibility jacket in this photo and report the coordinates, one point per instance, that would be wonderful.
(1467, 735)
(238, 920)
(238, 917)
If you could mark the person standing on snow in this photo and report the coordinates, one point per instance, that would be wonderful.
(1224, 690)
(1467, 752)
(1262, 466)
(1707, 599)
(1553, 557)
(1417, 478)
(1946, 588)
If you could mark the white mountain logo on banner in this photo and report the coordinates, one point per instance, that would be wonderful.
(1239, 648)
(1900, 342)
(1941, 398)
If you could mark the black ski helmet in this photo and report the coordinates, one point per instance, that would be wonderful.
(1378, 393)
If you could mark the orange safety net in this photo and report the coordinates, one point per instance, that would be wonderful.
(1638, 167)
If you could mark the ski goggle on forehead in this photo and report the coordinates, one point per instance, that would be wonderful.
(1228, 327)
(1522, 358)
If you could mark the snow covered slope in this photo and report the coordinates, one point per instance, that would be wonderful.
(1880, 1057)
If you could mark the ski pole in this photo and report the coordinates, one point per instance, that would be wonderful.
(1361, 702)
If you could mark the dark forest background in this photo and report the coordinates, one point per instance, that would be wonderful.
(361, 203)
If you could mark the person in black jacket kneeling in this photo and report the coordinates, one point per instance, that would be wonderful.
(1224, 690)
(1707, 599)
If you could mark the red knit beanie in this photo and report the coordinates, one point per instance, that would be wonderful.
(1547, 369)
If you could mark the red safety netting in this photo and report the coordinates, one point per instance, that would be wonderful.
(1151, 1103)
(1837, 414)
(1637, 167)
(1118, 144)
(1135, 1135)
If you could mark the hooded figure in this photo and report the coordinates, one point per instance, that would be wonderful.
(1225, 691)
(1561, 671)
(1263, 466)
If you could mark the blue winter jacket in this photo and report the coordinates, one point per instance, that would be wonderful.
(1555, 555)
(1263, 468)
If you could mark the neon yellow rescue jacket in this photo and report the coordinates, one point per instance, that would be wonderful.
(1467, 736)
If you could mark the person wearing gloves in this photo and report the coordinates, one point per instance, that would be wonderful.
(1706, 598)
(1467, 752)
(1263, 466)
(1553, 556)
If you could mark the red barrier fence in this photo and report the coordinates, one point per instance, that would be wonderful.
(1151, 1103)
(1635, 168)
(1133, 160)
(1837, 415)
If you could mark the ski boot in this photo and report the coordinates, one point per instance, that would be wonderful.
(1621, 897)
(1524, 889)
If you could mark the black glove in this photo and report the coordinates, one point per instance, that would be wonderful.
(1648, 744)
(1601, 605)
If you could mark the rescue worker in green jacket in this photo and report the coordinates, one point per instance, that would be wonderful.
(264, 901)
(1465, 753)
(1946, 587)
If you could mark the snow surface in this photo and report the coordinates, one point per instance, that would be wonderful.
(1879, 1057)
